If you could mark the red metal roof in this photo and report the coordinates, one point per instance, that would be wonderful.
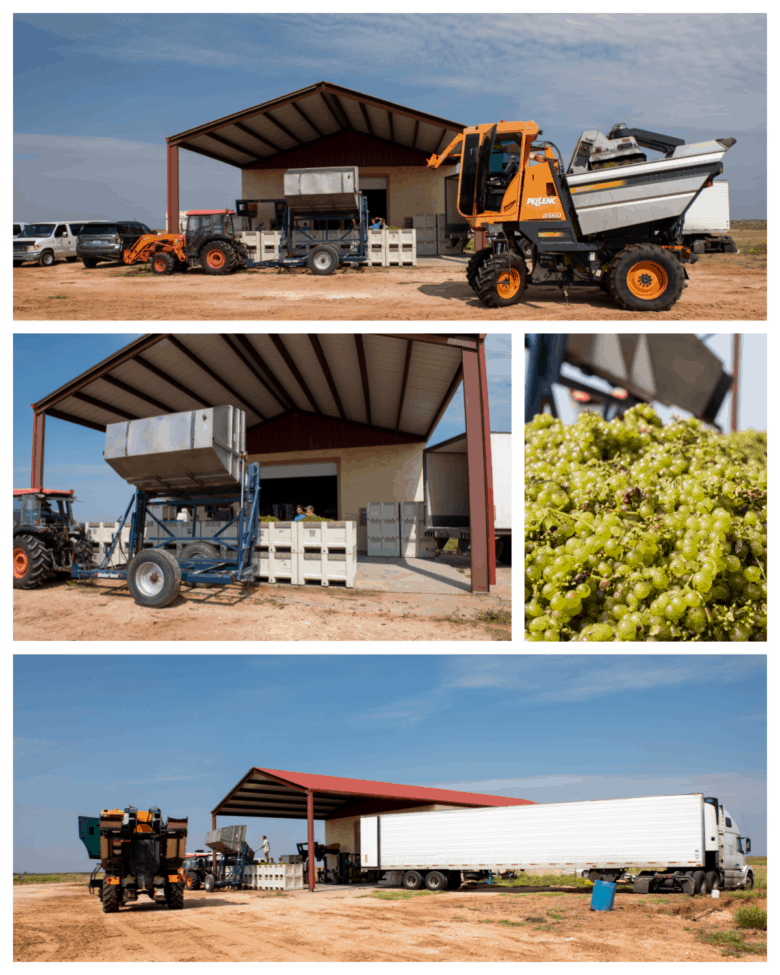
(42, 491)
(197, 213)
(281, 794)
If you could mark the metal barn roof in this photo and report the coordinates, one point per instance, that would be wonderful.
(282, 795)
(394, 384)
(308, 116)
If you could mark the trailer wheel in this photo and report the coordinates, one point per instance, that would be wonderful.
(412, 880)
(32, 562)
(712, 881)
(323, 259)
(176, 897)
(504, 549)
(501, 281)
(474, 265)
(435, 880)
(154, 578)
(698, 881)
(47, 259)
(110, 898)
(162, 263)
(210, 882)
(198, 550)
(645, 277)
(89, 262)
(217, 257)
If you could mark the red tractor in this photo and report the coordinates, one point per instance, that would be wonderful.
(46, 538)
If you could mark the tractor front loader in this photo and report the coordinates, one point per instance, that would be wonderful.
(613, 219)
(209, 241)
(139, 854)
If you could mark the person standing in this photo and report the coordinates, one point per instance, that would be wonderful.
(310, 511)
(266, 850)
(299, 515)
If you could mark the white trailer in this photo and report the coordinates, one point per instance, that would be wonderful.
(707, 222)
(446, 492)
(679, 842)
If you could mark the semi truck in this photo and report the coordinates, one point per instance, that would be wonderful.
(446, 493)
(687, 843)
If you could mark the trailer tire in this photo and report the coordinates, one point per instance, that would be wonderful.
(33, 562)
(110, 898)
(504, 549)
(474, 265)
(412, 880)
(198, 550)
(89, 262)
(499, 287)
(322, 259)
(162, 263)
(645, 277)
(712, 880)
(698, 881)
(176, 897)
(47, 259)
(217, 257)
(454, 880)
(210, 883)
(154, 578)
(436, 880)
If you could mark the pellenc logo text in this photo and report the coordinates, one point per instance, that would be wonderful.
(540, 201)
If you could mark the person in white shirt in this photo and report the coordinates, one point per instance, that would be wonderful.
(266, 850)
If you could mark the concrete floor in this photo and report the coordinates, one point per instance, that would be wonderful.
(454, 261)
(415, 575)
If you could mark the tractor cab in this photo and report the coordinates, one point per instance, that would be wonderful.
(204, 225)
(43, 510)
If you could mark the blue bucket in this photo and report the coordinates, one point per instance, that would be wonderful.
(603, 897)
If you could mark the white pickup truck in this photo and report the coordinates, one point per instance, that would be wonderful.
(687, 843)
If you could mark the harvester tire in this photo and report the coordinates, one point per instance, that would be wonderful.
(217, 257)
(162, 263)
(33, 562)
(501, 281)
(154, 578)
(474, 265)
(176, 897)
(89, 262)
(323, 259)
(604, 282)
(645, 277)
(110, 898)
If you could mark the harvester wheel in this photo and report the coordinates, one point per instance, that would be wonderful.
(110, 898)
(474, 265)
(33, 562)
(162, 263)
(176, 897)
(645, 277)
(323, 259)
(501, 280)
(217, 257)
(154, 578)
(89, 262)
(604, 281)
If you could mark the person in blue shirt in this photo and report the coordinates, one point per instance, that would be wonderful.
(377, 224)
(299, 515)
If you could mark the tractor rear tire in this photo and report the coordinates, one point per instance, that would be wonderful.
(89, 262)
(110, 898)
(83, 553)
(176, 897)
(33, 562)
(323, 259)
(645, 277)
(501, 281)
(192, 881)
(154, 578)
(474, 265)
(217, 257)
(162, 263)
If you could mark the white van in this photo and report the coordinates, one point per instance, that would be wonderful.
(48, 241)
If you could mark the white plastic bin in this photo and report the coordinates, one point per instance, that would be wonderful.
(382, 510)
(327, 534)
(276, 566)
(326, 567)
(383, 548)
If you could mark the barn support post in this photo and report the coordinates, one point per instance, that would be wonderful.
(480, 468)
(310, 820)
(173, 189)
(38, 442)
(214, 852)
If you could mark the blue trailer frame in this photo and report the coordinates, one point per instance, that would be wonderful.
(214, 571)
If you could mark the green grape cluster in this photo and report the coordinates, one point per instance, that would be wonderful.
(640, 531)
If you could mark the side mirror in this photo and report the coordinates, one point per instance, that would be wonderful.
(747, 845)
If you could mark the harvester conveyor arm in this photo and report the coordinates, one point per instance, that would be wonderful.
(435, 161)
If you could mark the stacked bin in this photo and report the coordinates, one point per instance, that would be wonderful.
(400, 247)
(327, 552)
(383, 529)
(276, 553)
(100, 533)
(274, 876)
(425, 225)
(414, 544)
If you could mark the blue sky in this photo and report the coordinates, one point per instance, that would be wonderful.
(73, 455)
(95, 95)
(752, 389)
(94, 732)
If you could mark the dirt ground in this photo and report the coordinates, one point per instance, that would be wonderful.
(60, 922)
(721, 287)
(105, 610)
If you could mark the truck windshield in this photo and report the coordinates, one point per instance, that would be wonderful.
(38, 229)
(100, 229)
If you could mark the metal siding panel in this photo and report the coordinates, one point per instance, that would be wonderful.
(85, 411)
(619, 832)
(276, 364)
(221, 358)
(168, 358)
(379, 121)
(305, 358)
(431, 371)
(145, 382)
(341, 353)
(385, 358)
(220, 149)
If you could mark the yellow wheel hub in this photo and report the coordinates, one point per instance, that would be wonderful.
(509, 283)
(647, 280)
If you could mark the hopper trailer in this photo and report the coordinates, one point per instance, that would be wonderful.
(196, 458)
(687, 843)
